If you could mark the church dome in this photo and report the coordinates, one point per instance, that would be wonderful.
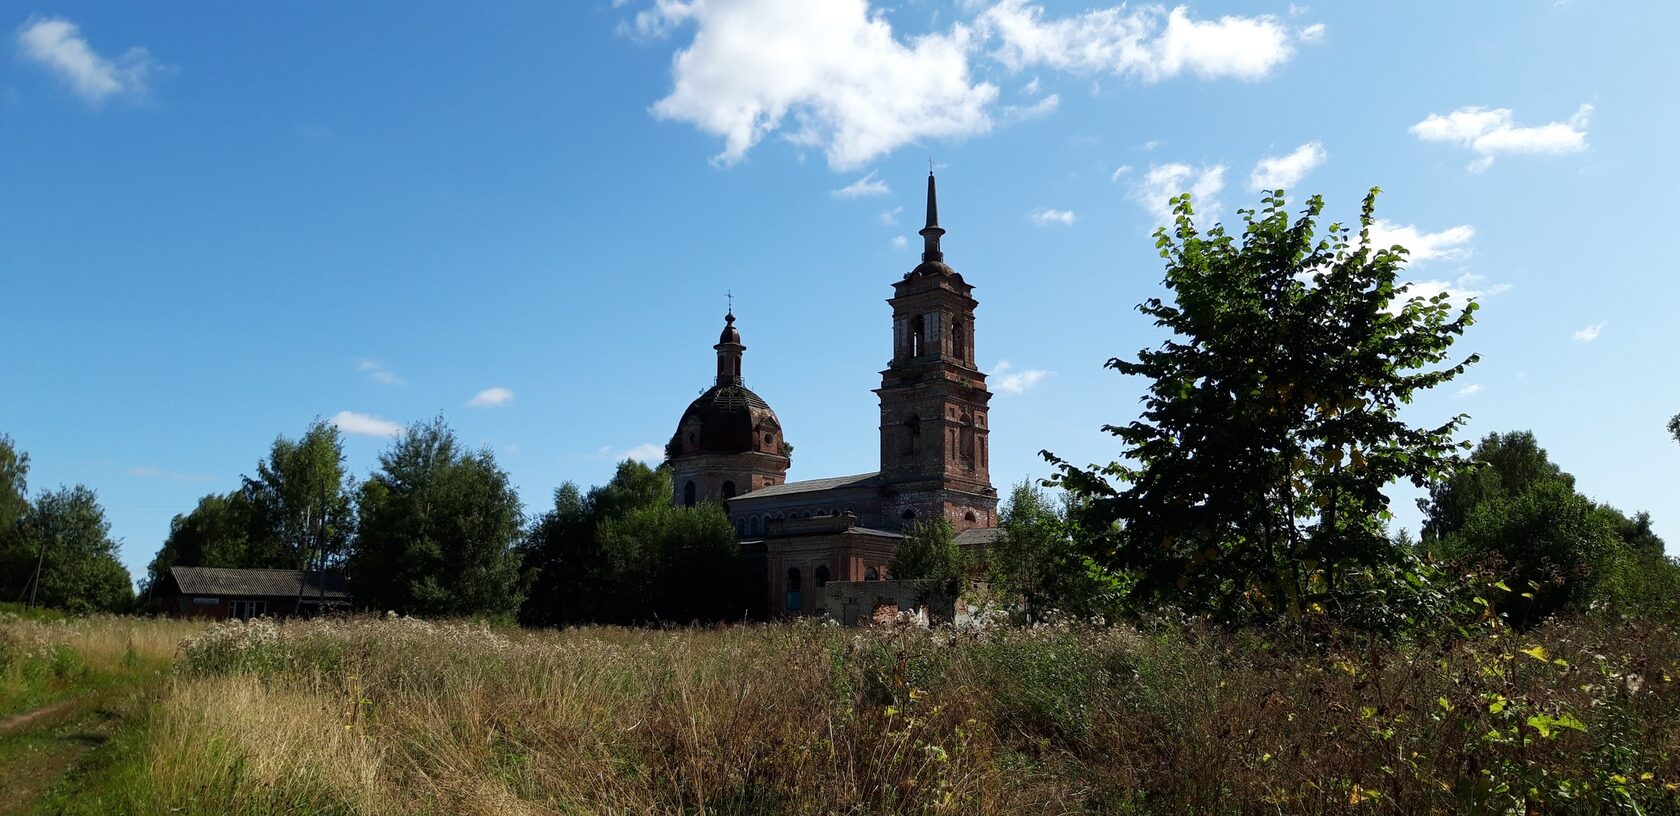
(728, 418)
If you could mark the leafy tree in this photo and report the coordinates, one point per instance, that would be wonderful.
(1251, 487)
(1038, 560)
(299, 507)
(1674, 427)
(930, 551)
(217, 533)
(1516, 510)
(65, 532)
(623, 554)
(672, 563)
(14, 485)
(436, 530)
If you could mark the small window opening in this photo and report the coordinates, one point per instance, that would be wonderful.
(688, 494)
(729, 490)
(822, 576)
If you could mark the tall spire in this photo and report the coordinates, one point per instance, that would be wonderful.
(930, 233)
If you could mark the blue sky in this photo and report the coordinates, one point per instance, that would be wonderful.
(221, 221)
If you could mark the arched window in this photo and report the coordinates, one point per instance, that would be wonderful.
(729, 490)
(688, 494)
(753, 526)
(957, 338)
(822, 577)
(917, 328)
(740, 527)
(795, 600)
(871, 574)
(908, 514)
(969, 516)
(913, 433)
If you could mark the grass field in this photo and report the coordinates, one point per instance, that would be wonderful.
(376, 716)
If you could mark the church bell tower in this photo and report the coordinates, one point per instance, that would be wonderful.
(935, 459)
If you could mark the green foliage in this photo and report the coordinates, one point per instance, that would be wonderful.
(1674, 427)
(1038, 561)
(14, 486)
(436, 530)
(623, 554)
(670, 563)
(930, 551)
(65, 532)
(1251, 487)
(1515, 511)
(298, 501)
(294, 513)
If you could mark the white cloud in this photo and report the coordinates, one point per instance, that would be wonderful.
(1120, 171)
(379, 373)
(1313, 33)
(1273, 172)
(1010, 381)
(847, 82)
(1459, 292)
(833, 74)
(1469, 390)
(1492, 132)
(351, 422)
(1148, 42)
(900, 242)
(1045, 215)
(890, 217)
(57, 44)
(491, 398)
(867, 186)
(1447, 245)
(1043, 107)
(650, 453)
(1590, 333)
(1164, 181)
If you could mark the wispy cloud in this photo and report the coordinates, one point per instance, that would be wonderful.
(58, 45)
(1149, 43)
(900, 242)
(491, 398)
(352, 422)
(1459, 291)
(1450, 244)
(1010, 381)
(890, 217)
(1274, 172)
(1493, 132)
(1164, 181)
(1120, 172)
(1469, 390)
(1043, 107)
(867, 186)
(650, 453)
(1590, 333)
(379, 373)
(1045, 215)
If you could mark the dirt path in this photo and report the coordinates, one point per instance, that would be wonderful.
(19, 722)
(39, 748)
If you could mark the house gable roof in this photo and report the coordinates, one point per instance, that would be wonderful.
(271, 583)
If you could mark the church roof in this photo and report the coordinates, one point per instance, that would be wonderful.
(813, 485)
(729, 415)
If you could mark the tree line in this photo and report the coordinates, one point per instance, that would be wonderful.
(1249, 490)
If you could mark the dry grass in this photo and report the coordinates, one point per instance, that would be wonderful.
(372, 716)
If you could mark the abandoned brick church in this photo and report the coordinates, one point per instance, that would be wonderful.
(800, 536)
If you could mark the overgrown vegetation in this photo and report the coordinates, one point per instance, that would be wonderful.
(386, 716)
